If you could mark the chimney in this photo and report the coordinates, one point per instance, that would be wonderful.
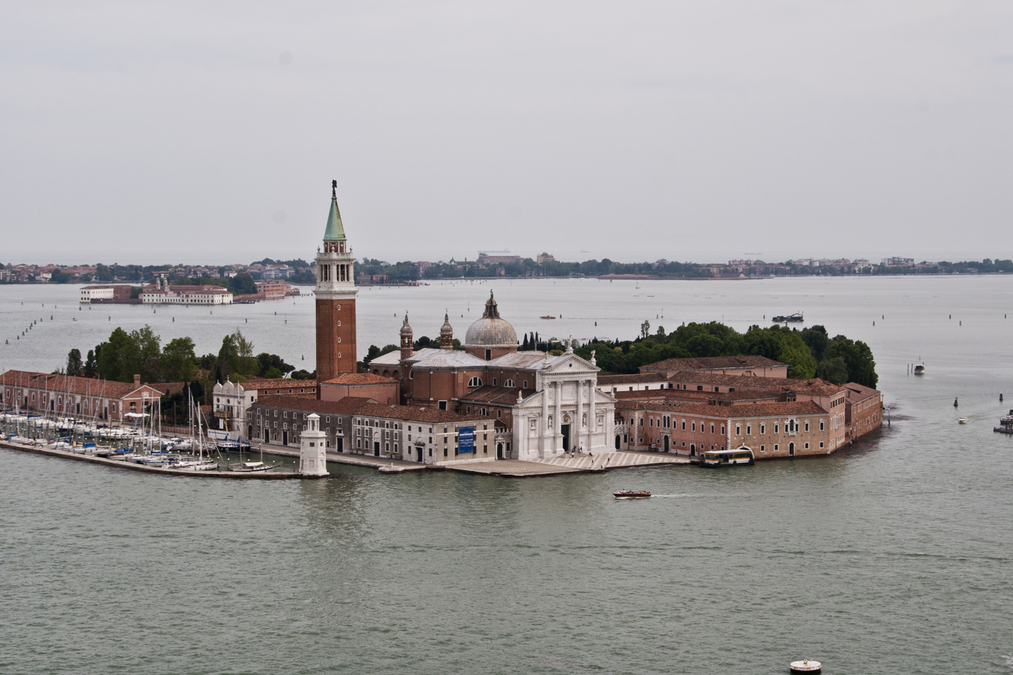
(137, 380)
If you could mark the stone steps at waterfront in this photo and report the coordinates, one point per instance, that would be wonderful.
(611, 460)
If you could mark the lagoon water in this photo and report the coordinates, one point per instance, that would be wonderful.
(892, 556)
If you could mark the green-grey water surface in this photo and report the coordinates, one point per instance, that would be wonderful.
(892, 556)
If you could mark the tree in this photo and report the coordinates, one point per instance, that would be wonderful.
(145, 355)
(858, 358)
(74, 367)
(112, 354)
(228, 360)
(103, 273)
(242, 284)
(834, 370)
(795, 352)
(179, 363)
(90, 367)
(645, 328)
(271, 365)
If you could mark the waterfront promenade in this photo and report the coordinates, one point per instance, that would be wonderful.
(502, 467)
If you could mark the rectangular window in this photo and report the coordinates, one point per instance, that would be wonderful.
(775, 431)
(775, 447)
(722, 430)
(821, 425)
(821, 444)
(807, 426)
(763, 428)
(712, 427)
(749, 429)
(738, 430)
(694, 426)
(763, 449)
(806, 446)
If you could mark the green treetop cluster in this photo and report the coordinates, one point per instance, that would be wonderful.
(809, 353)
(141, 352)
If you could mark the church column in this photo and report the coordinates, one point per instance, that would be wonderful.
(544, 423)
(579, 428)
(591, 419)
(557, 424)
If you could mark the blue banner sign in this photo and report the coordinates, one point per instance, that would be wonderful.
(466, 440)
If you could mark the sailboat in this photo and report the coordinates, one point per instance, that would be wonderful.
(199, 463)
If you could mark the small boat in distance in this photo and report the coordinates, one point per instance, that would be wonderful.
(962, 420)
(631, 494)
(790, 318)
(547, 317)
(919, 369)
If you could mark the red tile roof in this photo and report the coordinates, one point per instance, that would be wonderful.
(279, 383)
(744, 410)
(360, 378)
(497, 395)
(345, 406)
(413, 413)
(712, 362)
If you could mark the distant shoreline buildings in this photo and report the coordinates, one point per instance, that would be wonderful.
(489, 265)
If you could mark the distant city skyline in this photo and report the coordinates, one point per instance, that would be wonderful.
(696, 131)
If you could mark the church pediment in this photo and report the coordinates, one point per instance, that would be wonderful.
(570, 363)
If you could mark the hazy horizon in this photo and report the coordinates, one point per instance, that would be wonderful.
(697, 131)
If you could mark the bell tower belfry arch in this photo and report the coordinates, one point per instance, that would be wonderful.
(335, 300)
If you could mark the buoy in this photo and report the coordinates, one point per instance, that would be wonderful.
(1000, 398)
(954, 402)
(805, 666)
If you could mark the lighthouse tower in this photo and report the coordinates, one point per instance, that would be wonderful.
(335, 297)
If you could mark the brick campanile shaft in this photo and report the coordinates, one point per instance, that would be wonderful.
(335, 298)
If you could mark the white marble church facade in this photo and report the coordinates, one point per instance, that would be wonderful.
(567, 411)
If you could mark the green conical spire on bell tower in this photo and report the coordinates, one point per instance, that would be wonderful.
(335, 230)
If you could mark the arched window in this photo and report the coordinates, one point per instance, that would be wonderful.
(475, 382)
(508, 383)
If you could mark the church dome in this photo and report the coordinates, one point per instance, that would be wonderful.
(491, 331)
(405, 328)
(446, 329)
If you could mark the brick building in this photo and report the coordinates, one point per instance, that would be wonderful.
(79, 396)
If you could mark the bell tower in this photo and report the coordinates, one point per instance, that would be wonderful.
(335, 299)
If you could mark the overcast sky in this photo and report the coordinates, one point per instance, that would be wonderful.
(703, 130)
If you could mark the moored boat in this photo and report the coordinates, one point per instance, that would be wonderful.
(251, 467)
(741, 455)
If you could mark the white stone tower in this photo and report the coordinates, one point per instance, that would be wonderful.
(313, 448)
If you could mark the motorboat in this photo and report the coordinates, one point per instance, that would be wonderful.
(919, 369)
(631, 494)
(962, 420)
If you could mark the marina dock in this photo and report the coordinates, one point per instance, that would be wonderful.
(121, 464)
